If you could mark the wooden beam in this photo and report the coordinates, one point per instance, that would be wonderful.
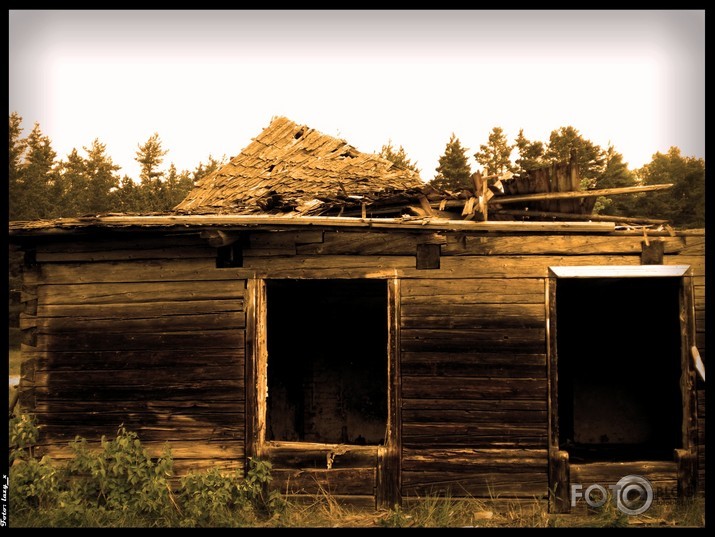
(218, 238)
(591, 217)
(577, 194)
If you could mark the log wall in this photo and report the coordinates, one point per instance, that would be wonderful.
(149, 333)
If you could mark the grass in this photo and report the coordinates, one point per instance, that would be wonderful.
(323, 511)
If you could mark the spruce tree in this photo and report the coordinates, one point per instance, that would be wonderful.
(453, 172)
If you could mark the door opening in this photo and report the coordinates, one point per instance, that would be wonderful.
(327, 347)
(619, 368)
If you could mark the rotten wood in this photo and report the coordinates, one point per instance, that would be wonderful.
(652, 252)
(686, 473)
(559, 482)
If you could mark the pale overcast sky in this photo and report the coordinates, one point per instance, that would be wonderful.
(209, 81)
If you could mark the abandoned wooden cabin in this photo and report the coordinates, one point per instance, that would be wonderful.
(321, 308)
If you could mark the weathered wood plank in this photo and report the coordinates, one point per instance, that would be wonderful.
(472, 316)
(142, 419)
(468, 417)
(117, 242)
(140, 292)
(474, 404)
(117, 377)
(525, 340)
(117, 387)
(282, 239)
(195, 450)
(110, 341)
(177, 252)
(398, 266)
(234, 405)
(54, 434)
(479, 291)
(463, 367)
(327, 456)
(335, 481)
(159, 322)
(477, 459)
(484, 485)
(462, 244)
(133, 310)
(147, 360)
(472, 388)
(134, 271)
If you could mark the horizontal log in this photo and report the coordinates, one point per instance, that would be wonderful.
(176, 252)
(462, 244)
(474, 404)
(580, 217)
(179, 450)
(450, 267)
(109, 341)
(138, 325)
(140, 310)
(359, 481)
(143, 419)
(473, 359)
(475, 431)
(507, 418)
(262, 252)
(119, 242)
(119, 377)
(473, 291)
(122, 388)
(170, 395)
(282, 239)
(134, 271)
(486, 485)
(468, 458)
(235, 405)
(661, 474)
(472, 388)
(524, 340)
(51, 433)
(458, 315)
(140, 292)
(147, 360)
(316, 456)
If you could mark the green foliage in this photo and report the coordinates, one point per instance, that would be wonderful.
(119, 483)
(453, 172)
(566, 142)
(398, 157)
(684, 203)
(494, 156)
(531, 154)
(615, 175)
(121, 475)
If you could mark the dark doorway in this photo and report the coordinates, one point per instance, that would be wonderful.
(327, 361)
(619, 366)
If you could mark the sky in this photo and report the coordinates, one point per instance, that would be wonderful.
(209, 81)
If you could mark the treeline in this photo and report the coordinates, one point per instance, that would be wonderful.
(87, 182)
(683, 205)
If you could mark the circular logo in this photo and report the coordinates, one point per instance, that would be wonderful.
(634, 494)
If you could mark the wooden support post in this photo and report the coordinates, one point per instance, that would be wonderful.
(686, 473)
(560, 482)
(652, 252)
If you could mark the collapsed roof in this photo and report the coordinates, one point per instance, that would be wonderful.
(291, 168)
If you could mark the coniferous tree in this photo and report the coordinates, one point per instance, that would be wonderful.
(398, 157)
(531, 154)
(495, 155)
(38, 187)
(615, 175)
(589, 156)
(453, 172)
(18, 146)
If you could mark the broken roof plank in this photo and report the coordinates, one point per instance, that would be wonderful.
(578, 194)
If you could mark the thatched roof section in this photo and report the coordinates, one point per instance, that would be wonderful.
(291, 168)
